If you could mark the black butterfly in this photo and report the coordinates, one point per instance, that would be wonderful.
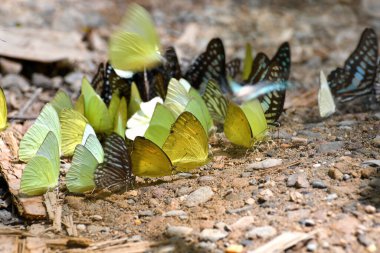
(376, 86)
(210, 65)
(155, 82)
(115, 173)
(106, 83)
(233, 68)
(358, 75)
(268, 80)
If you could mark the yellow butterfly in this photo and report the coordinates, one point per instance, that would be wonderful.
(185, 148)
(245, 125)
(136, 46)
(3, 111)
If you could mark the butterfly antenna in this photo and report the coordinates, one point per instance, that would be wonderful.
(146, 82)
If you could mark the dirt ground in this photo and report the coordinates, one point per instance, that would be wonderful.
(321, 186)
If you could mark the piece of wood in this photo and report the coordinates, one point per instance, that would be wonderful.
(28, 207)
(41, 45)
(8, 244)
(283, 242)
(54, 210)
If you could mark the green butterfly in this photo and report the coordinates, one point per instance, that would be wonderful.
(42, 171)
(46, 122)
(215, 101)
(3, 111)
(135, 47)
(87, 156)
(245, 124)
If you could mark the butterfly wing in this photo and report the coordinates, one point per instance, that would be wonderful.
(149, 160)
(187, 144)
(258, 69)
(236, 126)
(359, 72)
(255, 115)
(210, 65)
(233, 68)
(42, 171)
(171, 65)
(61, 101)
(376, 86)
(326, 102)
(48, 120)
(115, 172)
(215, 101)
(3, 111)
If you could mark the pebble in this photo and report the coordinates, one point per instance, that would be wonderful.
(377, 115)
(346, 177)
(178, 231)
(330, 147)
(96, 217)
(264, 232)
(40, 80)
(222, 226)
(5, 216)
(296, 197)
(331, 197)
(252, 182)
(175, 213)
(146, 213)
(213, 235)
(298, 180)
(265, 195)
(311, 246)
(135, 238)
(234, 248)
(185, 175)
(299, 140)
(243, 223)
(335, 174)
(250, 201)
(12, 80)
(319, 184)
(376, 141)
(10, 67)
(205, 179)
(159, 192)
(317, 165)
(37, 229)
(307, 222)
(370, 209)
(199, 196)
(209, 246)
(245, 174)
(81, 227)
(364, 240)
(268, 163)
(347, 123)
(183, 191)
(74, 79)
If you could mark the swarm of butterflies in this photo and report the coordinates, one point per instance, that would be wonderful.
(170, 113)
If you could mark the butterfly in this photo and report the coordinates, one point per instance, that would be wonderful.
(185, 148)
(245, 124)
(215, 101)
(358, 75)
(326, 102)
(107, 82)
(3, 111)
(47, 121)
(42, 170)
(87, 156)
(135, 47)
(154, 82)
(61, 101)
(233, 68)
(376, 86)
(114, 173)
(210, 65)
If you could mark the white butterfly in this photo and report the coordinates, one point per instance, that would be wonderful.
(326, 102)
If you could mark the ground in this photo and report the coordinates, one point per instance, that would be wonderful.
(316, 181)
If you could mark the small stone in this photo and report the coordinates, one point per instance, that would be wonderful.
(205, 179)
(12, 80)
(253, 182)
(264, 232)
(347, 123)
(307, 222)
(298, 180)
(234, 248)
(245, 174)
(330, 147)
(265, 195)
(317, 165)
(346, 177)
(250, 201)
(208, 246)
(376, 141)
(319, 184)
(296, 197)
(299, 141)
(37, 229)
(10, 67)
(159, 192)
(146, 213)
(178, 231)
(331, 197)
(222, 226)
(96, 217)
(335, 174)
(74, 79)
(370, 209)
(40, 80)
(153, 203)
(268, 163)
(243, 223)
(135, 238)
(213, 235)
(94, 229)
(175, 213)
(185, 175)
(367, 172)
(183, 191)
(364, 240)
(199, 196)
(372, 248)
(81, 227)
(311, 246)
